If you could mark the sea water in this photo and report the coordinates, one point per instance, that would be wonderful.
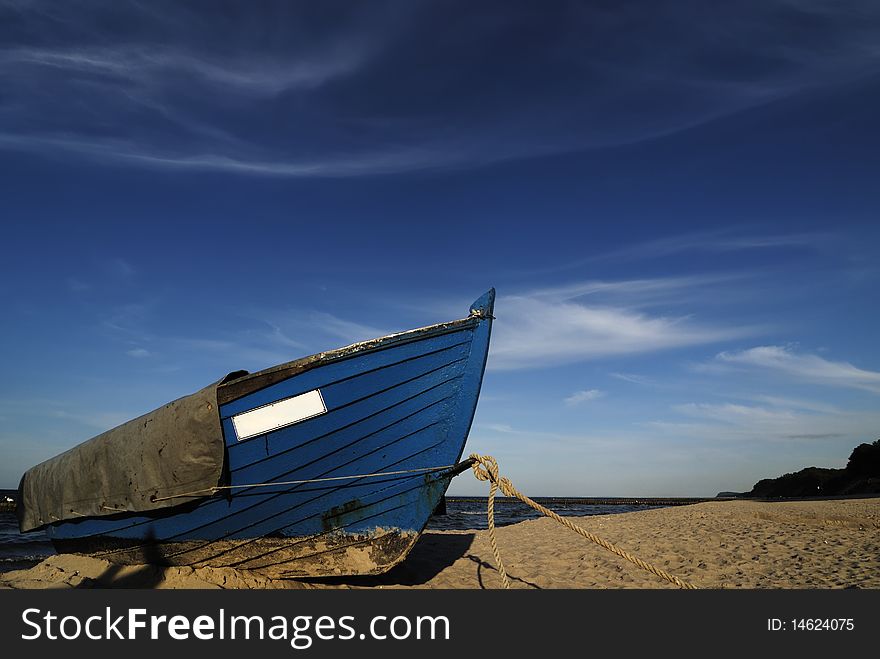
(463, 513)
(19, 551)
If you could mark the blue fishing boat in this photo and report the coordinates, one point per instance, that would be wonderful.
(327, 465)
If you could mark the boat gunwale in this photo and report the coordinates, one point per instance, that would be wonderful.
(232, 390)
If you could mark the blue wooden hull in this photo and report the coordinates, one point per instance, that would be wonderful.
(304, 499)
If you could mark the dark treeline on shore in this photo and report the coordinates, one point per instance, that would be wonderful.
(860, 476)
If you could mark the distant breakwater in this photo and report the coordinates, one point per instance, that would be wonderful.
(603, 501)
(7, 500)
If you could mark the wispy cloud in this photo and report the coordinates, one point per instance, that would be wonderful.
(77, 285)
(641, 293)
(230, 354)
(344, 330)
(551, 327)
(633, 378)
(99, 421)
(734, 421)
(57, 409)
(121, 268)
(281, 338)
(497, 427)
(130, 319)
(805, 366)
(717, 241)
(584, 396)
(248, 160)
(263, 338)
(176, 87)
(314, 330)
(735, 414)
(795, 403)
(145, 68)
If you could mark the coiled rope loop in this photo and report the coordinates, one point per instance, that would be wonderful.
(486, 469)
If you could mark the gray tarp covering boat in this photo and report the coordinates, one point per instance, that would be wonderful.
(175, 449)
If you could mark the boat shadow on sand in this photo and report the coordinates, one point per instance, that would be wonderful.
(432, 554)
(149, 574)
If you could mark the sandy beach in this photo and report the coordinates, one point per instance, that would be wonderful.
(724, 544)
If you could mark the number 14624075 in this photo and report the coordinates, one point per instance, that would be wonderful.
(811, 624)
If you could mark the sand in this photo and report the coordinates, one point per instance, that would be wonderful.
(723, 544)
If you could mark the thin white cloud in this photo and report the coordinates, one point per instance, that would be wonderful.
(121, 267)
(232, 354)
(280, 338)
(712, 241)
(735, 422)
(312, 331)
(344, 330)
(795, 403)
(146, 67)
(99, 421)
(77, 285)
(805, 366)
(251, 159)
(715, 241)
(584, 396)
(497, 427)
(270, 338)
(254, 349)
(734, 414)
(639, 292)
(128, 320)
(546, 330)
(633, 378)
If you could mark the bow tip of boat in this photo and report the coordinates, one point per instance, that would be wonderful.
(484, 305)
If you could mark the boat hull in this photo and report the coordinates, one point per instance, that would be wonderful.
(338, 550)
(344, 491)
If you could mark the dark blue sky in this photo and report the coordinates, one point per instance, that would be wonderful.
(677, 205)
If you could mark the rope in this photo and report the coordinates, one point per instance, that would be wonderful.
(217, 488)
(486, 469)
